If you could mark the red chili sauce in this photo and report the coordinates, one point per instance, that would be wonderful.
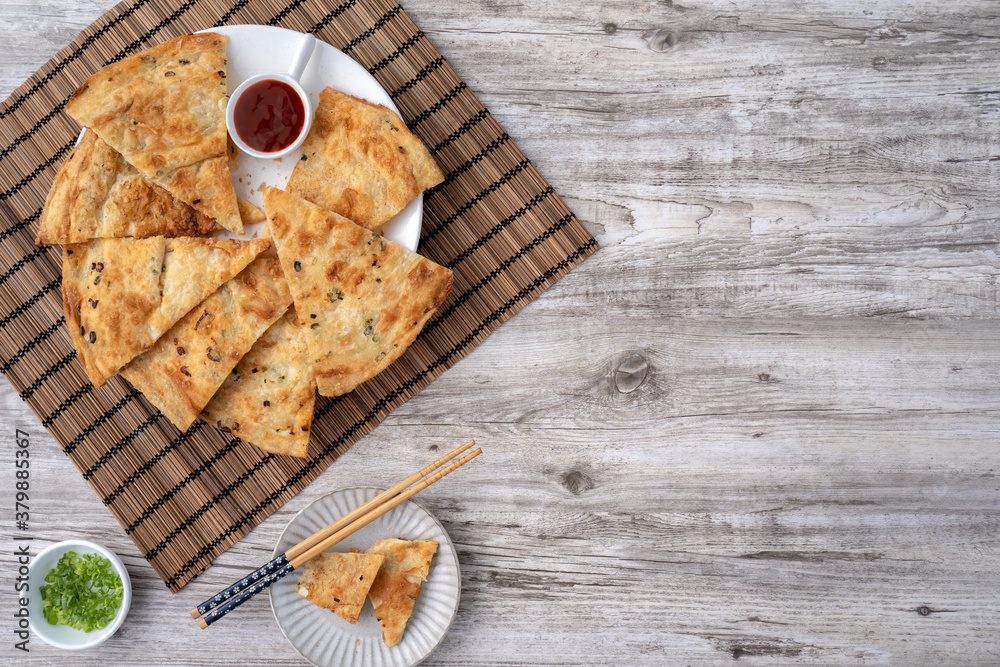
(269, 116)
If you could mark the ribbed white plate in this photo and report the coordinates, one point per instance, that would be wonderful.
(324, 638)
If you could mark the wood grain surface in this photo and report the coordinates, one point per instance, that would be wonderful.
(759, 426)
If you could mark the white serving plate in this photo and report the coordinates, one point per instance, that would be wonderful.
(324, 638)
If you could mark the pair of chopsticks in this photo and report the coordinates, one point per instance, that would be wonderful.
(224, 602)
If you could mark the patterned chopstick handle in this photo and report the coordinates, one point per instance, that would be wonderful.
(215, 614)
(249, 580)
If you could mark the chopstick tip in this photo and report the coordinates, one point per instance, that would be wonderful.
(202, 624)
(194, 613)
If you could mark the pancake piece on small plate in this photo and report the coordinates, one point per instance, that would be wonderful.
(164, 109)
(363, 299)
(397, 583)
(360, 160)
(120, 295)
(269, 397)
(339, 582)
(185, 367)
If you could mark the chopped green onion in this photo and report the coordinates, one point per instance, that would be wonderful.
(83, 592)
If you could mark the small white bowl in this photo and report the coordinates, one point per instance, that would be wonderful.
(63, 636)
(234, 100)
(307, 45)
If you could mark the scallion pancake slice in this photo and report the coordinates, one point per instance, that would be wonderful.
(360, 160)
(362, 298)
(164, 109)
(339, 582)
(188, 364)
(121, 295)
(398, 583)
(269, 397)
(97, 194)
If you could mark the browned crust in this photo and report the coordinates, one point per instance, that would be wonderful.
(164, 110)
(104, 100)
(97, 194)
(249, 213)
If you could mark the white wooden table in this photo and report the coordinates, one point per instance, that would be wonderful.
(761, 425)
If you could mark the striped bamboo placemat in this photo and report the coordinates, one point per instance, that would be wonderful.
(184, 498)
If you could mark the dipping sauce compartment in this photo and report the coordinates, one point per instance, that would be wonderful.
(269, 116)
